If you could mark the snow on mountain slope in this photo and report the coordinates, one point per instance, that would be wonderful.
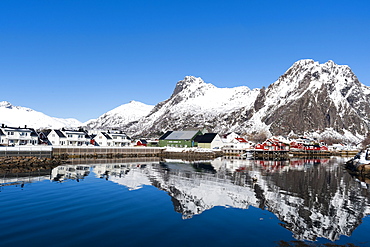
(120, 116)
(312, 96)
(17, 116)
(194, 104)
(309, 97)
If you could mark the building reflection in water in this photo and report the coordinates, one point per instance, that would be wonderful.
(311, 197)
(75, 172)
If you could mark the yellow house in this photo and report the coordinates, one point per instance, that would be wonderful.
(209, 140)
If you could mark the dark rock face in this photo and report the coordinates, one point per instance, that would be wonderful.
(308, 97)
(332, 103)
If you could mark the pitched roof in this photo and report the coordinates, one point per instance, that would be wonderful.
(33, 133)
(207, 138)
(198, 138)
(60, 133)
(1, 133)
(143, 141)
(241, 140)
(165, 135)
(181, 135)
(106, 135)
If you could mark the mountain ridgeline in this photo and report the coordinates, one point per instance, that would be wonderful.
(321, 99)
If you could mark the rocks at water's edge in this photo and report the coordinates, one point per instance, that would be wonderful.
(27, 164)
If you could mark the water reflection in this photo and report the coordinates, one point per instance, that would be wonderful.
(75, 172)
(313, 198)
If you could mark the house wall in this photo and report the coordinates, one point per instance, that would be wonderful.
(120, 140)
(177, 143)
(18, 137)
(217, 142)
(53, 138)
(101, 140)
(204, 145)
(3, 140)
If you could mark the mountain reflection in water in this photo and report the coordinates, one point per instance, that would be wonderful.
(313, 198)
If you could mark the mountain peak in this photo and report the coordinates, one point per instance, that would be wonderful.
(120, 115)
(304, 62)
(5, 104)
(190, 83)
(330, 63)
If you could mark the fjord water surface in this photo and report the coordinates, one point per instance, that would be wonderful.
(223, 202)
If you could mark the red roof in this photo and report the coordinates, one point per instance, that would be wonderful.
(241, 140)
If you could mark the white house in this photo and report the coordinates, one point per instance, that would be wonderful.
(115, 139)
(120, 139)
(10, 136)
(57, 137)
(103, 139)
(68, 138)
(228, 138)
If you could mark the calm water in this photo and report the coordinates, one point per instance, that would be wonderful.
(174, 203)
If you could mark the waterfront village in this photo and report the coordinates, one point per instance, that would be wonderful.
(230, 144)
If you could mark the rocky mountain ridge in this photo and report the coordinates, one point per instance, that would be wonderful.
(322, 99)
(318, 100)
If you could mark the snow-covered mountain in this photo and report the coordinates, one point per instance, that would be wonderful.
(321, 100)
(196, 104)
(310, 97)
(17, 116)
(120, 116)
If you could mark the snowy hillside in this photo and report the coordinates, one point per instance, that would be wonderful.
(120, 116)
(316, 97)
(308, 98)
(17, 116)
(195, 104)
(318, 100)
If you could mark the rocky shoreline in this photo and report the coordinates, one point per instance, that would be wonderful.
(21, 164)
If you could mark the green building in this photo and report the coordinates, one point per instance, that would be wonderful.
(179, 139)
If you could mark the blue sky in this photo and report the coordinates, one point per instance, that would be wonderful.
(80, 59)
